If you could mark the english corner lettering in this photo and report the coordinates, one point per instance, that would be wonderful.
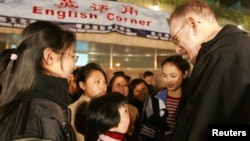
(68, 9)
(87, 16)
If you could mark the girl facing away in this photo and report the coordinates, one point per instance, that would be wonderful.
(108, 117)
(120, 83)
(34, 86)
(92, 82)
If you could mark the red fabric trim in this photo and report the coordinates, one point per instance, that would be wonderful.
(115, 135)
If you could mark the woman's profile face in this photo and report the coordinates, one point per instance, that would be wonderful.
(62, 64)
(68, 61)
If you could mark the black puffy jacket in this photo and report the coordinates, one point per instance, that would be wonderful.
(43, 114)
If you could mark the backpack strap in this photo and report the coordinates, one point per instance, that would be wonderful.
(142, 116)
(155, 104)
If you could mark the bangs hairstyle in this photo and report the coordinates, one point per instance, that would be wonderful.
(103, 112)
(181, 63)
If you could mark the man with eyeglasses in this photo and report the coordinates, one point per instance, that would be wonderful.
(219, 90)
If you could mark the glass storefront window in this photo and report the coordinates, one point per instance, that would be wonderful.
(108, 56)
(132, 57)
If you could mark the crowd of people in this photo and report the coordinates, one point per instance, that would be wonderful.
(44, 96)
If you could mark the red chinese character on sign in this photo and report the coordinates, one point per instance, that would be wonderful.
(99, 7)
(67, 3)
(129, 9)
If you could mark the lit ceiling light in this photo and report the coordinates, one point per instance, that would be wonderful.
(126, 59)
(156, 7)
(240, 26)
(117, 64)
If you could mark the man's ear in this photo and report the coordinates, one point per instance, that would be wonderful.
(48, 56)
(193, 23)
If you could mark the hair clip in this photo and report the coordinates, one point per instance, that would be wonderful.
(13, 56)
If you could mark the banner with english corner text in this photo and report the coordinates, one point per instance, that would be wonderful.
(92, 16)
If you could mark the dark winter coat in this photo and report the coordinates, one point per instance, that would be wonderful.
(44, 113)
(219, 91)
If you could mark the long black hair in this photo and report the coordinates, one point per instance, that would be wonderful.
(19, 75)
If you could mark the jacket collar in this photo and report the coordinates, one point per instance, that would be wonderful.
(206, 47)
(51, 88)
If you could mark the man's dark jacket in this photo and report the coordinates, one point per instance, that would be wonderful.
(219, 91)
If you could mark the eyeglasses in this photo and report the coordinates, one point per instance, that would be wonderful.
(174, 38)
(75, 57)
